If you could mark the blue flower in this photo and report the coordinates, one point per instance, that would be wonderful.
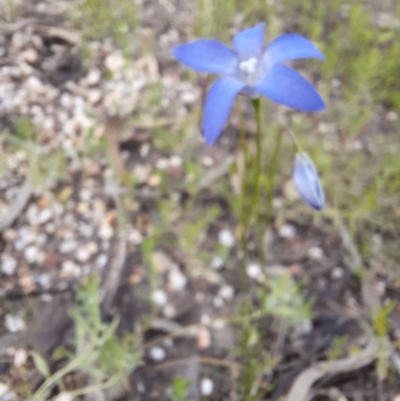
(251, 70)
(307, 182)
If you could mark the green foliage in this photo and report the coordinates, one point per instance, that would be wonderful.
(179, 389)
(44, 164)
(99, 19)
(98, 354)
(284, 299)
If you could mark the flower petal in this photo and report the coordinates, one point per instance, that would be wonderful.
(286, 86)
(307, 182)
(218, 104)
(249, 43)
(290, 46)
(206, 55)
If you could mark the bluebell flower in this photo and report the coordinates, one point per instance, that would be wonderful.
(252, 70)
(307, 182)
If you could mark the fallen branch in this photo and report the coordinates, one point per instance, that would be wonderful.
(303, 383)
(17, 206)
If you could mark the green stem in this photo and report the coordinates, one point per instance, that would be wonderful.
(257, 169)
(272, 176)
(243, 201)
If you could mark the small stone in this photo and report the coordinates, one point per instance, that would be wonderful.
(20, 357)
(30, 56)
(217, 263)
(10, 234)
(175, 161)
(157, 354)
(207, 161)
(14, 323)
(70, 269)
(144, 150)
(106, 232)
(337, 273)
(154, 180)
(287, 231)
(92, 248)
(226, 292)
(135, 237)
(41, 239)
(64, 396)
(34, 83)
(83, 255)
(162, 163)
(169, 311)
(66, 100)
(94, 96)
(8, 265)
(141, 173)
(203, 338)
(93, 77)
(218, 302)
(31, 254)
(101, 261)
(188, 97)
(114, 62)
(226, 238)
(45, 215)
(67, 246)
(177, 280)
(4, 389)
(159, 297)
(315, 253)
(32, 214)
(44, 280)
(206, 387)
(253, 270)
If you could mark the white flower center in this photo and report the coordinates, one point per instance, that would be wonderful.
(248, 66)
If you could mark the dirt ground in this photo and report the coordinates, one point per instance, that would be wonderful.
(60, 221)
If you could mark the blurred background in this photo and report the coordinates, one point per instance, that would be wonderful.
(121, 275)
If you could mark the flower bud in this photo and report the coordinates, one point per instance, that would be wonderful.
(307, 182)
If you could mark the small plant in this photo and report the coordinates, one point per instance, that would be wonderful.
(103, 360)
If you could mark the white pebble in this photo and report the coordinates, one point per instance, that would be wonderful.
(93, 77)
(316, 253)
(287, 231)
(67, 246)
(337, 273)
(162, 163)
(135, 237)
(70, 269)
(226, 292)
(83, 255)
(217, 263)
(144, 150)
(31, 254)
(4, 389)
(64, 396)
(159, 297)
(177, 280)
(206, 387)
(20, 357)
(45, 215)
(157, 354)
(8, 265)
(14, 323)
(253, 270)
(106, 231)
(226, 238)
(218, 302)
(175, 161)
(44, 280)
(101, 260)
